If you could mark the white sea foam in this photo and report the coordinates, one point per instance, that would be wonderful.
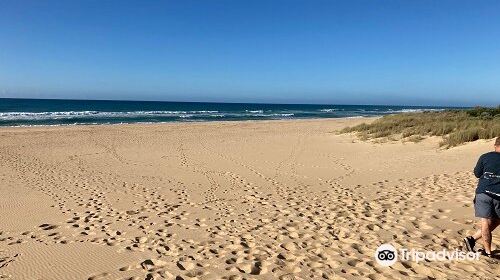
(415, 110)
(283, 115)
(355, 117)
(95, 114)
(156, 116)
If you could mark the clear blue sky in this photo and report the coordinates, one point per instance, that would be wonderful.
(346, 52)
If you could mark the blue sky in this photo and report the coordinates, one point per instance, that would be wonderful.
(344, 52)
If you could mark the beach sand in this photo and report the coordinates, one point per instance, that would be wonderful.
(230, 200)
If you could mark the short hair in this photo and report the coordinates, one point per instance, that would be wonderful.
(497, 142)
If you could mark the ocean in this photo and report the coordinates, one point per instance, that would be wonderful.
(33, 112)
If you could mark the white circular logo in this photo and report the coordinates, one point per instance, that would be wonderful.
(386, 255)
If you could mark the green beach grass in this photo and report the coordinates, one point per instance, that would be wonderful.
(455, 126)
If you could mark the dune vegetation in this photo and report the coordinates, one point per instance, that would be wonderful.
(455, 126)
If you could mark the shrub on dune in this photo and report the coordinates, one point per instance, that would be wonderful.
(455, 126)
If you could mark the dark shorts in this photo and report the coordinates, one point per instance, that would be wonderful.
(486, 207)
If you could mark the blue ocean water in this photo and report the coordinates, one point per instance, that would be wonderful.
(30, 112)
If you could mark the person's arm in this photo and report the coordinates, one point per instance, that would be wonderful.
(478, 170)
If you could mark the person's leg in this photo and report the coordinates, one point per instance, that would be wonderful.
(484, 209)
(486, 229)
(478, 234)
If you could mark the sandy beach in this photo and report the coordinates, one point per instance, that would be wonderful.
(230, 200)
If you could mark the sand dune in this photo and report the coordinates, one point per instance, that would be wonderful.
(231, 200)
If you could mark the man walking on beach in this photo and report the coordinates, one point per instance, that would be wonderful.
(487, 200)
